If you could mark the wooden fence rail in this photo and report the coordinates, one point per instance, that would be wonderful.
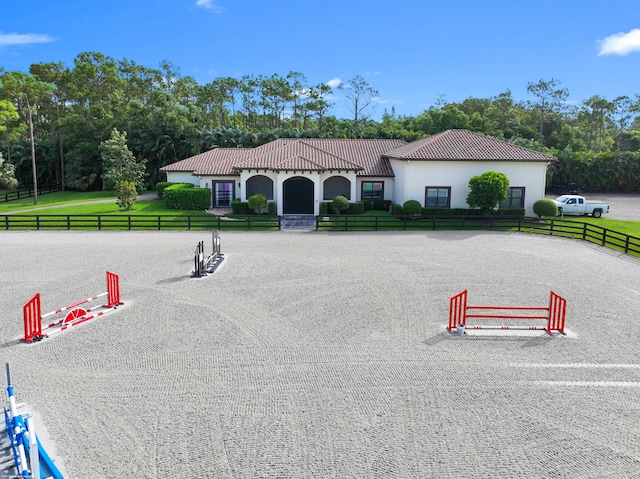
(16, 195)
(136, 222)
(553, 227)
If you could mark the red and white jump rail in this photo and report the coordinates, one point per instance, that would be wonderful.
(35, 330)
(554, 314)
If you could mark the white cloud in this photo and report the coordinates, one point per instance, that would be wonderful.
(620, 43)
(23, 38)
(209, 5)
(334, 82)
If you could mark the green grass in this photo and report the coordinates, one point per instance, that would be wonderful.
(57, 198)
(631, 228)
(156, 208)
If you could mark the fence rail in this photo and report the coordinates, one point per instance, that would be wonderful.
(553, 227)
(136, 222)
(16, 195)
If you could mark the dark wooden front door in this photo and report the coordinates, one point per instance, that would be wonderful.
(298, 196)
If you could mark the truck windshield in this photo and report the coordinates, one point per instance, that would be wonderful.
(562, 199)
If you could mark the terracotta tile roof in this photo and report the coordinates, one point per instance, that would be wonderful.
(465, 145)
(316, 154)
(219, 161)
(308, 154)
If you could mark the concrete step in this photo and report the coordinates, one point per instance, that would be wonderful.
(298, 222)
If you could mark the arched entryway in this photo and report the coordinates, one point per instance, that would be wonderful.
(298, 195)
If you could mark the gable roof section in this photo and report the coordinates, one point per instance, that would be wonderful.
(365, 157)
(465, 145)
(318, 154)
(219, 161)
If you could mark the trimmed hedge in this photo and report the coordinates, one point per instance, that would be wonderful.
(396, 209)
(412, 207)
(545, 207)
(470, 212)
(239, 208)
(382, 205)
(377, 205)
(356, 208)
(163, 185)
(180, 197)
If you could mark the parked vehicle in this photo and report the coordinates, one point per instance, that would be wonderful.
(578, 205)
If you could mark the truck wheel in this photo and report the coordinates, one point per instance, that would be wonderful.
(597, 213)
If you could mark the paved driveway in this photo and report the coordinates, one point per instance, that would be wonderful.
(623, 206)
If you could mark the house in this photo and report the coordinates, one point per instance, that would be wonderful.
(299, 173)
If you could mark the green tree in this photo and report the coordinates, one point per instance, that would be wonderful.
(27, 92)
(7, 175)
(550, 97)
(126, 194)
(360, 96)
(119, 164)
(487, 190)
(7, 112)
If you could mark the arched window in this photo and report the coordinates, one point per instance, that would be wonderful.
(336, 186)
(260, 184)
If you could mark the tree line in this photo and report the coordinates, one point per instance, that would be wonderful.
(54, 118)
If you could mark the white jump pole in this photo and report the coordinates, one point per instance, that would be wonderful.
(34, 453)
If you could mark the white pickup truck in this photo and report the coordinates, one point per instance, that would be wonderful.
(578, 205)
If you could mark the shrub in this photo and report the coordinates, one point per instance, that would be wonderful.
(272, 208)
(257, 202)
(126, 193)
(511, 212)
(368, 205)
(545, 207)
(432, 211)
(339, 204)
(324, 208)
(183, 197)
(239, 208)
(356, 208)
(163, 185)
(412, 207)
(382, 205)
(396, 210)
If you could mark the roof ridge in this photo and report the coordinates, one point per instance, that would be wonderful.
(356, 166)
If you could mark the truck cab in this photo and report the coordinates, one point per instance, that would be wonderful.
(578, 205)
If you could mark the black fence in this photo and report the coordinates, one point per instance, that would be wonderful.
(554, 227)
(138, 222)
(16, 195)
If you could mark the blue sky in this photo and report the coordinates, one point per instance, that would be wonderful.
(412, 51)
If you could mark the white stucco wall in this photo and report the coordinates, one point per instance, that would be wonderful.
(182, 177)
(388, 187)
(413, 176)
